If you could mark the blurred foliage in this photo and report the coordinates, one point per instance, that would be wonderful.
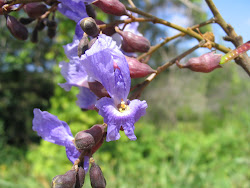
(195, 133)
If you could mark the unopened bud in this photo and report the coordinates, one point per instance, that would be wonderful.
(35, 10)
(114, 7)
(40, 25)
(80, 177)
(108, 30)
(68, 180)
(89, 26)
(133, 43)
(90, 11)
(98, 89)
(84, 141)
(205, 63)
(82, 46)
(26, 21)
(97, 179)
(98, 145)
(17, 29)
(51, 28)
(96, 131)
(138, 69)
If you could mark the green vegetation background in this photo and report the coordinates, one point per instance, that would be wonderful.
(195, 133)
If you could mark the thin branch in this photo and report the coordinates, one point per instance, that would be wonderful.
(140, 87)
(243, 60)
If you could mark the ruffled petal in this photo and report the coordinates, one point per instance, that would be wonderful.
(51, 129)
(86, 99)
(99, 61)
(74, 74)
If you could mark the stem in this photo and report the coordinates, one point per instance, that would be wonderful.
(243, 60)
(151, 77)
(156, 47)
(187, 31)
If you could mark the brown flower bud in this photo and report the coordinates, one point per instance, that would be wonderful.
(98, 89)
(108, 30)
(138, 69)
(205, 63)
(96, 131)
(97, 179)
(51, 28)
(90, 11)
(84, 140)
(68, 180)
(26, 21)
(89, 26)
(98, 145)
(83, 46)
(17, 29)
(133, 43)
(114, 7)
(80, 177)
(34, 36)
(35, 10)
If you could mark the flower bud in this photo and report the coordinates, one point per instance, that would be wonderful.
(114, 7)
(84, 140)
(26, 21)
(82, 46)
(98, 89)
(80, 177)
(35, 10)
(40, 24)
(108, 30)
(17, 29)
(90, 11)
(34, 36)
(97, 179)
(51, 28)
(89, 26)
(96, 131)
(138, 69)
(68, 180)
(205, 63)
(133, 43)
(98, 145)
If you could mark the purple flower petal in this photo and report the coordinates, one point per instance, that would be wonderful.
(51, 129)
(98, 62)
(73, 9)
(71, 49)
(86, 99)
(116, 118)
(86, 164)
(78, 31)
(74, 74)
(72, 153)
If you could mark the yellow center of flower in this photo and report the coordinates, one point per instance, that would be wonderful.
(123, 107)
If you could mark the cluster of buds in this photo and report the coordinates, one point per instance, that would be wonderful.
(35, 12)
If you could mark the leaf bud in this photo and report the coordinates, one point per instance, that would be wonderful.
(82, 46)
(114, 7)
(97, 179)
(35, 10)
(84, 141)
(80, 177)
(89, 26)
(67, 180)
(133, 43)
(90, 11)
(98, 89)
(205, 63)
(138, 69)
(17, 29)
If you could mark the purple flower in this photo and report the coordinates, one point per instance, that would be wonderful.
(51, 129)
(117, 111)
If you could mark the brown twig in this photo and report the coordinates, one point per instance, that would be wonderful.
(244, 60)
(140, 87)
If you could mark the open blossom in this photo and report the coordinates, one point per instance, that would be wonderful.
(117, 111)
(53, 130)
